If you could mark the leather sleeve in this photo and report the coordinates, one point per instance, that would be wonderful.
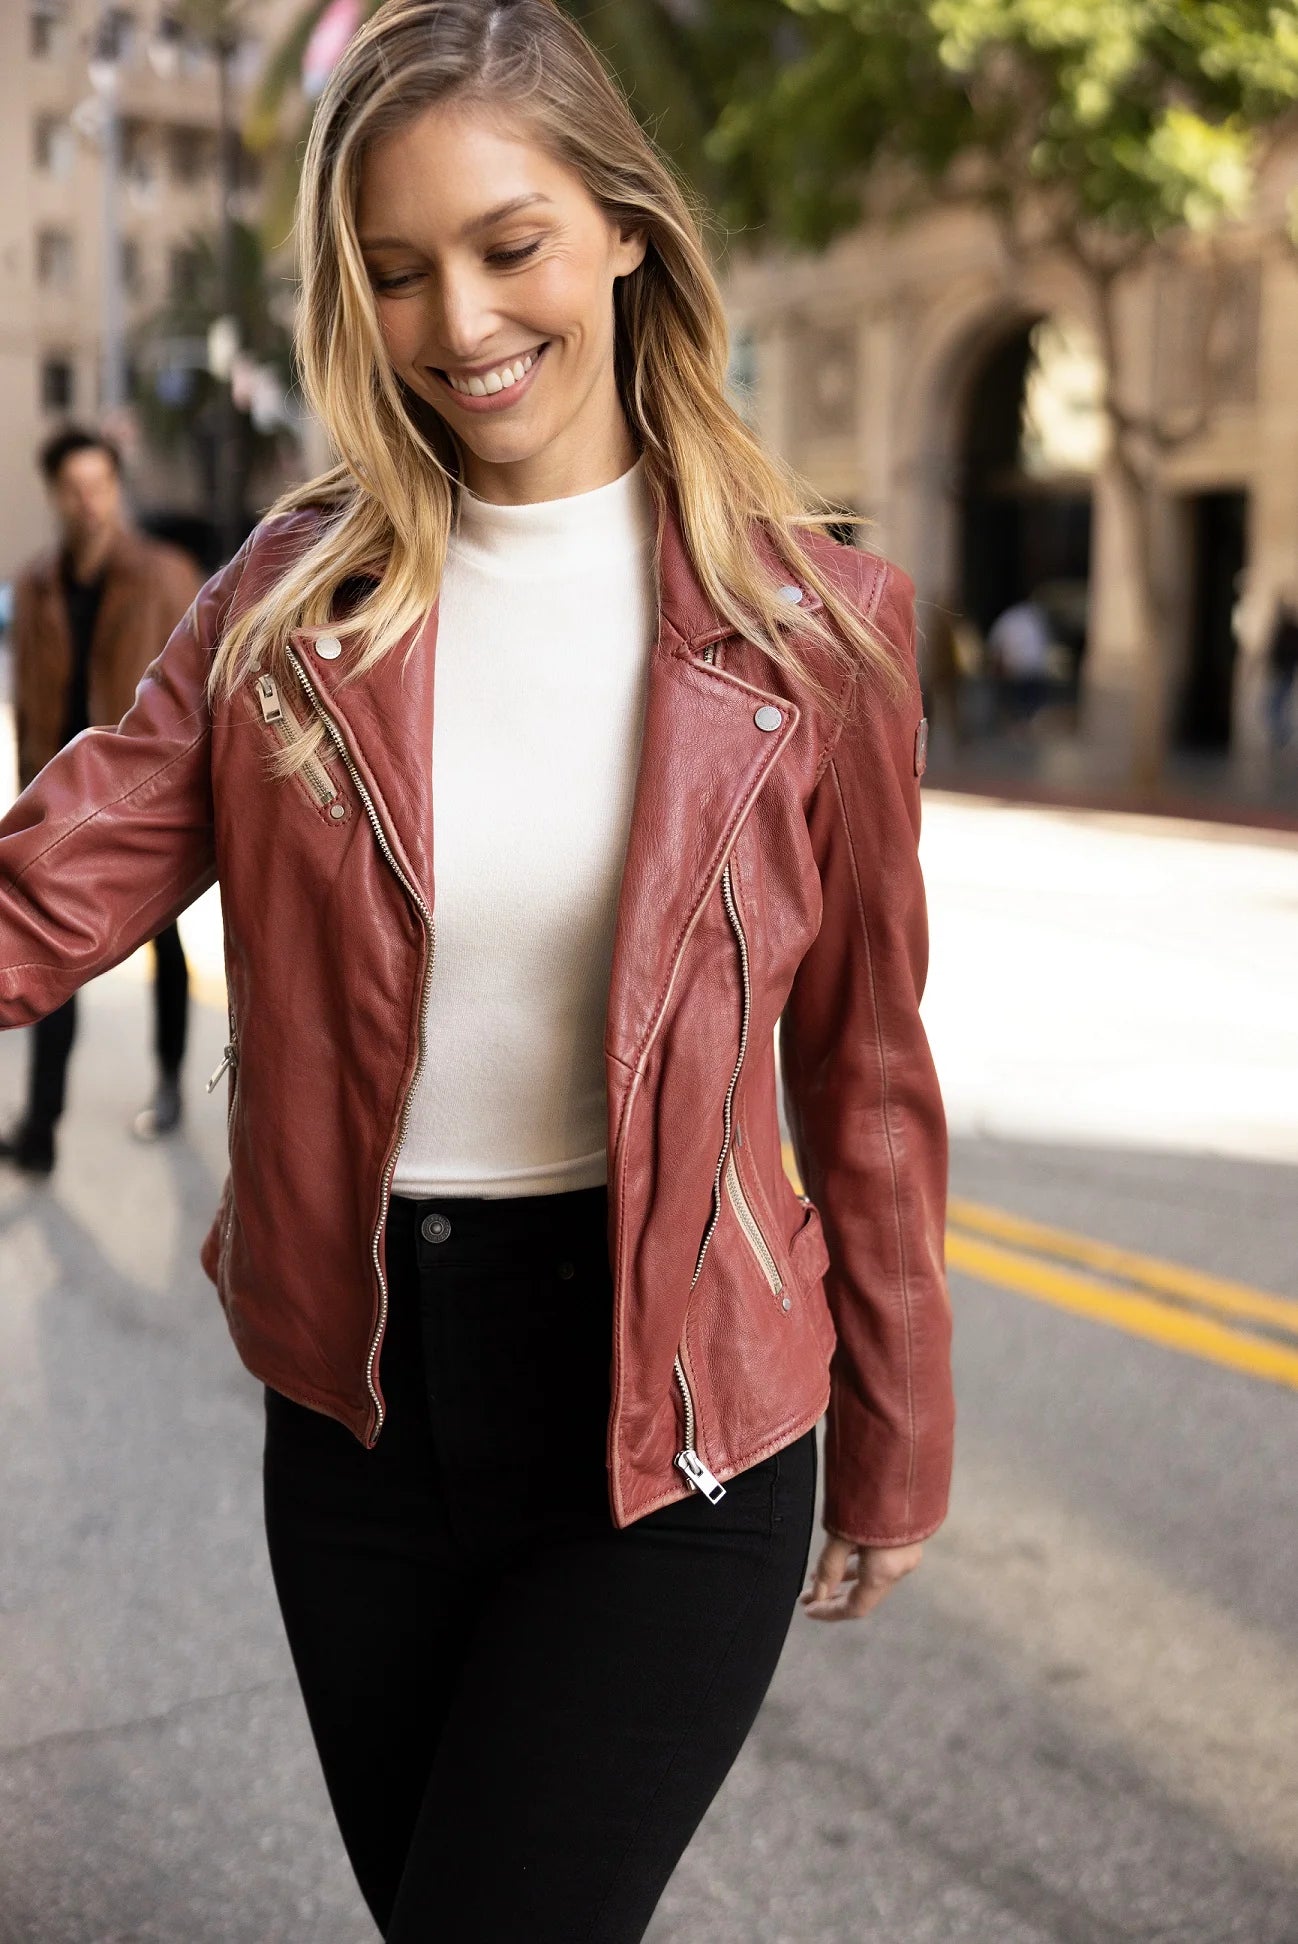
(110, 842)
(867, 1120)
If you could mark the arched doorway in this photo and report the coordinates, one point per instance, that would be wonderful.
(1031, 438)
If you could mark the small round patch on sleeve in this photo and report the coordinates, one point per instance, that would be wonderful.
(921, 746)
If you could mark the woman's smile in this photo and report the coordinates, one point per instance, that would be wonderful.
(492, 387)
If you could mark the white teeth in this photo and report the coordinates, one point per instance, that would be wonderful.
(494, 381)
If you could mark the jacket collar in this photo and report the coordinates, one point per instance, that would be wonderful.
(703, 760)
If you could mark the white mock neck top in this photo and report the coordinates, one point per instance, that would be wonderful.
(546, 620)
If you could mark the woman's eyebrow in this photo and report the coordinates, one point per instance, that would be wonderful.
(470, 228)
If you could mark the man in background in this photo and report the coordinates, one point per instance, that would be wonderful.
(89, 617)
(1282, 669)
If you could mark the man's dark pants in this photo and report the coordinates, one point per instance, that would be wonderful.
(52, 1038)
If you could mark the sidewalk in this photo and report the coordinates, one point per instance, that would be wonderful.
(1256, 793)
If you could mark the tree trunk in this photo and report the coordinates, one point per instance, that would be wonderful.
(1149, 692)
(1133, 481)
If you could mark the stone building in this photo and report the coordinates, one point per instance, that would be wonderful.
(52, 219)
(945, 392)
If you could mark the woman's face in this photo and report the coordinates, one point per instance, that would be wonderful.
(493, 272)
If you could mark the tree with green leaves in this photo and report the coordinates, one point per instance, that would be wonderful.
(1114, 132)
(182, 404)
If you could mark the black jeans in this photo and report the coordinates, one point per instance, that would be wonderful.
(52, 1037)
(521, 1712)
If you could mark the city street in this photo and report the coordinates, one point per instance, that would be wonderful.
(1076, 1724)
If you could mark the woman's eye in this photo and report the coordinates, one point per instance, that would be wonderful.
(514, 256)
(398, 281)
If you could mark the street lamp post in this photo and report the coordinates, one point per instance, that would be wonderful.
(112, 309)
(229, 508)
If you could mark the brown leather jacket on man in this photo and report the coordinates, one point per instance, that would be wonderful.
(771, 875)
(147, 587)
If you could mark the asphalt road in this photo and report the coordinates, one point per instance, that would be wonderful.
(1077, 1723)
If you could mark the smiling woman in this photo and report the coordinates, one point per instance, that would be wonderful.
(545, 1330)
(473, 300)
(557, 240)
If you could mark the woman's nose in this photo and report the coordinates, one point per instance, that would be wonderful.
(467, 320)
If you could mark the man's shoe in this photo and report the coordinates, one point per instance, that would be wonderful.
(29, 1148)
(162, 1115)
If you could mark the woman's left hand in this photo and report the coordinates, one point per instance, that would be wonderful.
(842, 1591)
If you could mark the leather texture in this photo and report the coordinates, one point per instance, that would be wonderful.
(837, 1299)
(147, 587)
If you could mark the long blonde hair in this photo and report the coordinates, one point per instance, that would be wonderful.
(387, 505)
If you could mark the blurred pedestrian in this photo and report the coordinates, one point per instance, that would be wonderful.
(1019, 642)
(1282, 670)
(89, 616)
(544, 1327)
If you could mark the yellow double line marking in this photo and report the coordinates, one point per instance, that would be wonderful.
(1203, 1316)
(1165, 1302)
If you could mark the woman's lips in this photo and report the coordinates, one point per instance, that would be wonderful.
(495, 401)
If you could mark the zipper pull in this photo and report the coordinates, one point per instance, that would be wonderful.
(699, 1476)
(228, 1059)
(268, 695)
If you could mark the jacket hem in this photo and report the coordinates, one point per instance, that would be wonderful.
(328, 1404)
(792, 1429)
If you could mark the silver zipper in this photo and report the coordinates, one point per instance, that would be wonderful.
(229, 1064)
(749, 1224)
(287, 727)
(336, 737)
(688, 1460)
(227, 1061)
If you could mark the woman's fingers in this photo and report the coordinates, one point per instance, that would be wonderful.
(830, 1568)
(836, 1593)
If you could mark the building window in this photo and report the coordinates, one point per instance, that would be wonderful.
(132, 267)
(55, 259)
(121, 34)
(183, 274)
(46, 37)
(53, 145)
(139, 158)
(58, 385)
(191, 155)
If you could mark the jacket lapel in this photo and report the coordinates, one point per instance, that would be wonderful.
(703, 760)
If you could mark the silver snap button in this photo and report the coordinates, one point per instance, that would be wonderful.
(337, 810)
(791, 594)
(434, 1228)
(567, 1271)
(768, 717)
(328, 647)
(786, 1303)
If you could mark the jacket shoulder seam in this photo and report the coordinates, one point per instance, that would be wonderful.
(869, 597)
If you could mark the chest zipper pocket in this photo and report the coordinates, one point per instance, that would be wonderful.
(313, 777)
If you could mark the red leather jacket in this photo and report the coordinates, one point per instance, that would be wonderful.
(771, 875)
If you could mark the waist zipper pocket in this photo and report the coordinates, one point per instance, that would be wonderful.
(229, 1063)
(314, 777)
(749, 1224)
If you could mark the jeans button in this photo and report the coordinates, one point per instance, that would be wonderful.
(434, 1228)
(567, 1271)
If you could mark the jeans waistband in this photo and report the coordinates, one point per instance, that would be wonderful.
(489, 1225)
